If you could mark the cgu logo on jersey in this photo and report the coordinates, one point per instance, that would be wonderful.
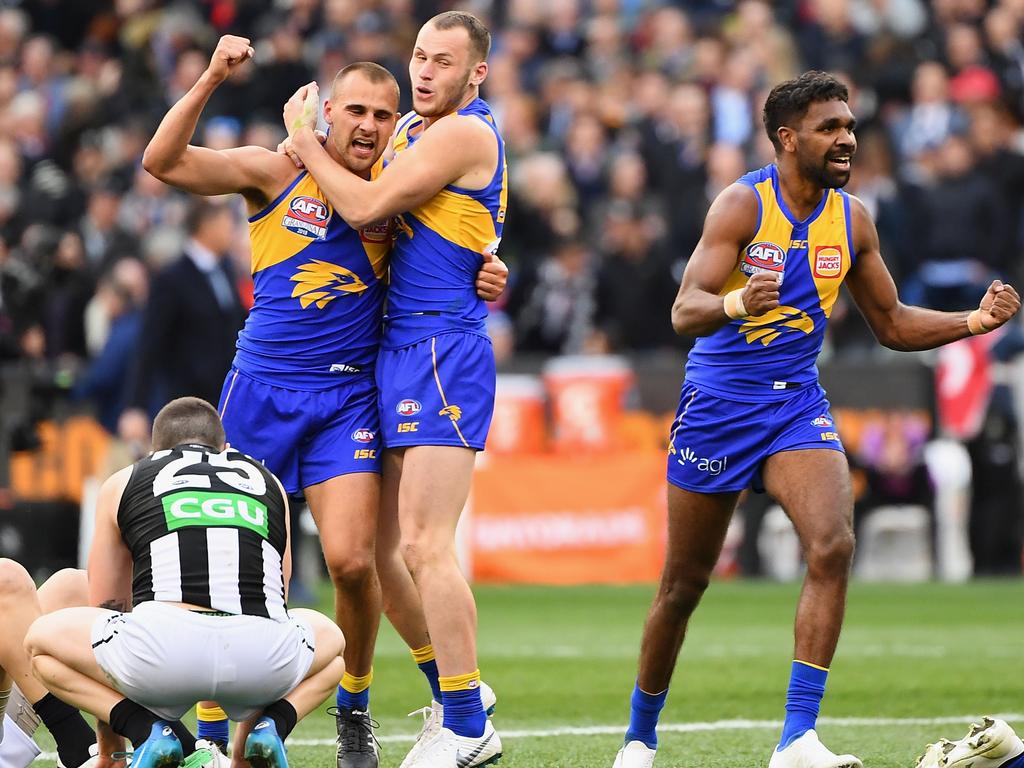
(363, 436)
(320, 282)
(204, 509)
(828, 261)
(763, 257)
(408, 407)
(307, 216)
(771, 325)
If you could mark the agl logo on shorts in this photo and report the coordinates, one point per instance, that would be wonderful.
(711, 466)
(408, 407)
(199, 509)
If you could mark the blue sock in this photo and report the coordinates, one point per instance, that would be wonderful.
(1017, 762)
(212, 725)
(464, 712)
(348, 700)
(429, 668)
(644, 710)
(806, 688)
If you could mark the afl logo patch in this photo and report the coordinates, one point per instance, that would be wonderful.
(408, 408)
(307, 216)
(765, 255)
(828, 261)
(363, 436)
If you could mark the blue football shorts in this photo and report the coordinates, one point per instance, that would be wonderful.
(438, 391)
(302, 437)
(719, 445)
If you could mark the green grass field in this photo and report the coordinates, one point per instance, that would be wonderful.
(920, 659)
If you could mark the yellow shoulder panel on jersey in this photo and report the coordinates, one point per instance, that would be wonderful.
(459, 219)
(290, 226)
(828, 251)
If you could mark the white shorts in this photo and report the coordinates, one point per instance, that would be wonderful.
(168, 658)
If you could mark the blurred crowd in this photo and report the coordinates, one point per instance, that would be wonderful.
(623, 119)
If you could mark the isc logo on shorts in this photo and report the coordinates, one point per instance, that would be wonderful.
(363, 436)
(828, 261)
(408, 407)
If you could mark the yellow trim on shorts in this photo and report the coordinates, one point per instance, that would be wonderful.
(444, 400)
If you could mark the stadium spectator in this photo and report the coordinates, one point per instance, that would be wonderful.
(191, 320)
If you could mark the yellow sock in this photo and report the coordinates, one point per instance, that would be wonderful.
(461, 682)
(424, 654)
(356, 684)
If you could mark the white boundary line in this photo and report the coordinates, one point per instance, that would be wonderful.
(716, 725)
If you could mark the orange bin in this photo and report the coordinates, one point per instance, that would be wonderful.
(518, 425)
(587, 394)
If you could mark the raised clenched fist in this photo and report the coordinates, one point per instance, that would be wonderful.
(231, 51)
(998, 305)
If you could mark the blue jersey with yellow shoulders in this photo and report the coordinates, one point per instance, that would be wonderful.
(769, 356)
(439, 247)
(319, 290)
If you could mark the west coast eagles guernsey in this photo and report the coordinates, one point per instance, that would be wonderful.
(318, 293)
(438, 249)
(768, 357)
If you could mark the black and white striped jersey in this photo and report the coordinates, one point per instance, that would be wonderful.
(206, 528)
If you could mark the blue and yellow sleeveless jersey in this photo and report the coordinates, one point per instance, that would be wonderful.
(439, 247)
(767, 357)
(318, 293)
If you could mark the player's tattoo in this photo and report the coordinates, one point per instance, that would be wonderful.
(115, 604)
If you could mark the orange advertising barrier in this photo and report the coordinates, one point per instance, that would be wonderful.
(69, 453)
(540, 520)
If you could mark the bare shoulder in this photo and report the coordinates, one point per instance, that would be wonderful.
(112, 489)
(865, 236)
(462, 133)
(270, 165)
(734, 213)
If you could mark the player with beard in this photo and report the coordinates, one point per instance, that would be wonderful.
(301, 395)
(758, 292)
(436, 372)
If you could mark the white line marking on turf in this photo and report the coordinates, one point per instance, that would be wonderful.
(717, 725)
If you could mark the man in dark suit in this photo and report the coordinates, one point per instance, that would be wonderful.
(191, 321)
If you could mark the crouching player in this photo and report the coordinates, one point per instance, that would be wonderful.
(204, 532)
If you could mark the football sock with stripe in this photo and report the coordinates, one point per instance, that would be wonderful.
(425, 660)
(1017, 762)
(284, 716)
(132, 721)
(463, 709)
(354, 692)
(803, 700)
(644, 711)
(72, 734)
(212, 725)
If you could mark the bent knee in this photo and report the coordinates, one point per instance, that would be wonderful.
(681, 592)
(38, 638)
(67, 588)
(425, 551)
(351, 569)
(15, 581)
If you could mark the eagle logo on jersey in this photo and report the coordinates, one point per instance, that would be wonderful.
(770, 326)
(453, 412)
(320, 282)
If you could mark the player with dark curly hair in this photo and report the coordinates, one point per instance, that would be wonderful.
(757, 292)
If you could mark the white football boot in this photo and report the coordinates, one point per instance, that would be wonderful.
(433, 720)
(989, 745)
(635, 754)
(809, 752)
(210, 755)
(447, 750)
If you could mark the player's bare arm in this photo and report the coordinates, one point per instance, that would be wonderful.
(699, 308)
(907, 328)
(257, 173)
(455, 150)
(110, 562)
